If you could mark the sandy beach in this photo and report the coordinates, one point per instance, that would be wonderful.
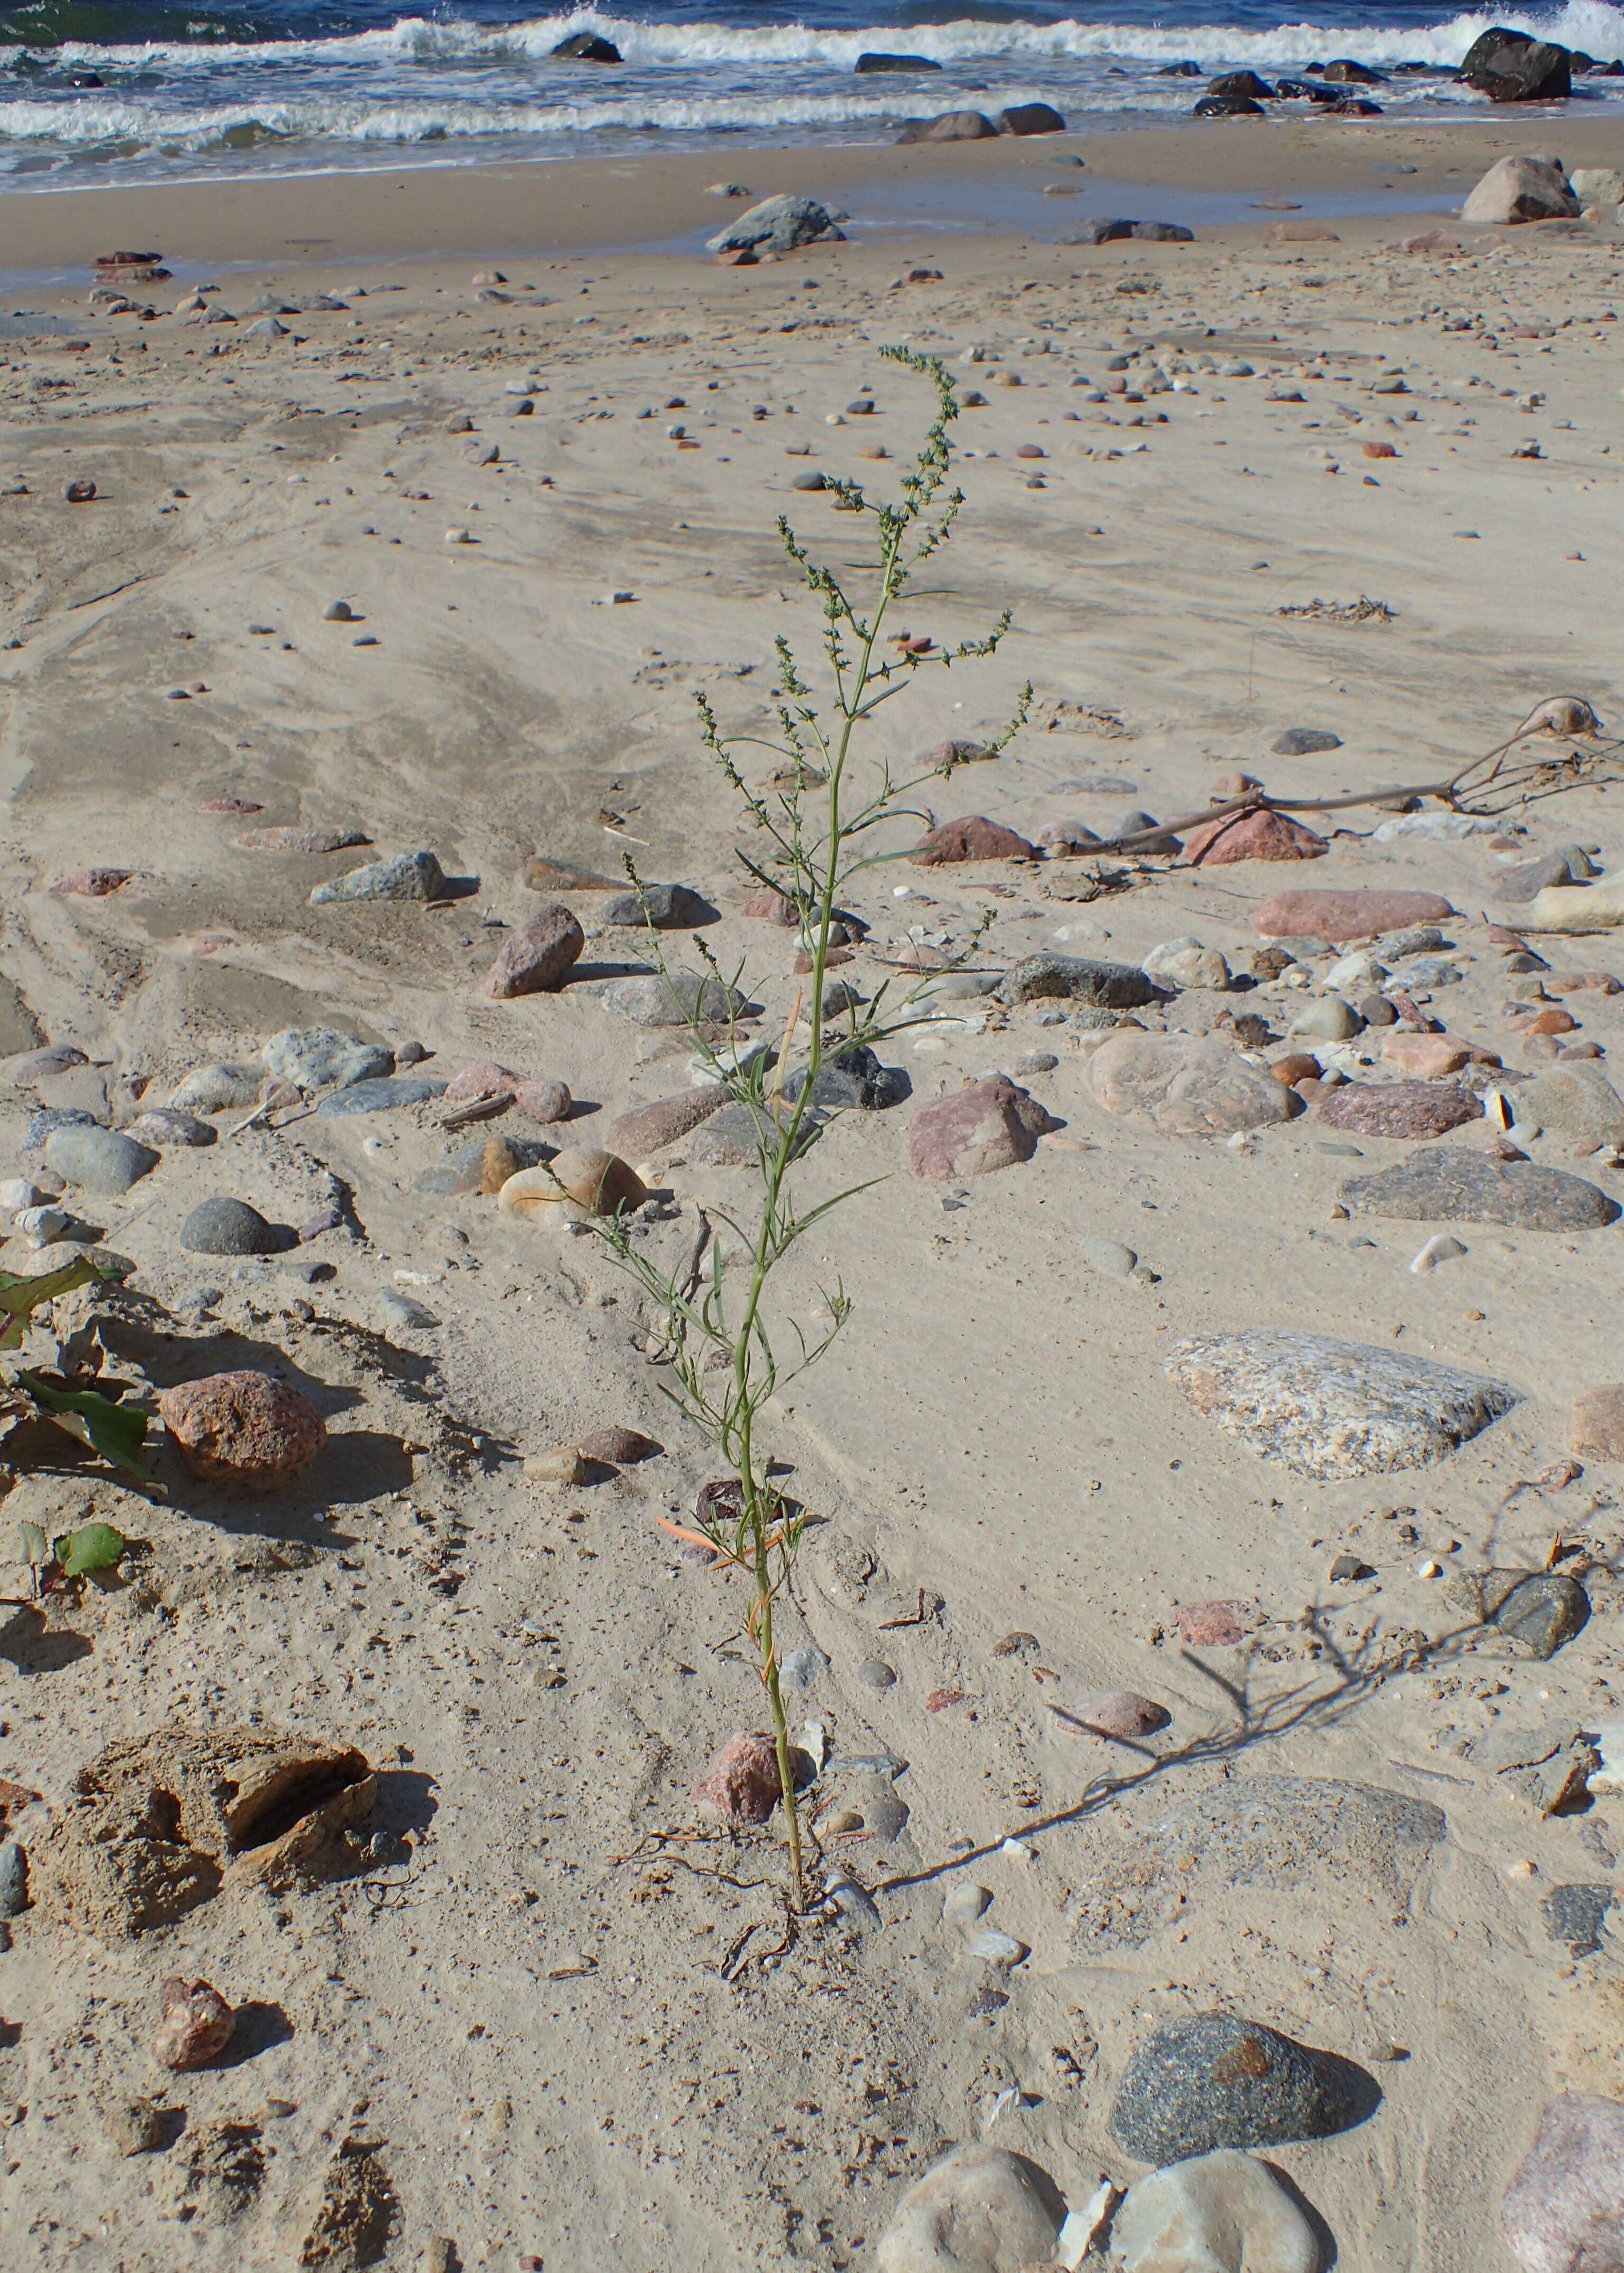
(526, 2002)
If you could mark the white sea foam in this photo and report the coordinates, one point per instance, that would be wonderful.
(1597, 26)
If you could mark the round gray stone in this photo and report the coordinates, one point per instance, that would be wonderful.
(101, 1161)
(227, 1226)
(1213, 2079)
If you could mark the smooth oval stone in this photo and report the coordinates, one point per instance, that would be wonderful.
(1347, 914)
(980, 2210)
(1121, 1712)
(874, 1673)
(219, 1088)
(652, 1000)
(1397, 1108)
(669, 907)
(1447, 1184)
(1326, 1407)
(1110, 1256)
(101, 1161)
(30, 1066)
(383, 1095)
(1217, 2213)
(163, 1125)
(1213, 2080)
(227, 1226)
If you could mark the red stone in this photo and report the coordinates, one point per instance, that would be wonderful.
(772, 907)
(1552, 1022)
(1296, 1066)
(974, 837)
(1258, 834)
(1122, 1713)
(1397, 1108)
(536, 957)
(196, 2025)
(1210, 1625)
(242, 1428)
(1347, 914)
(744, 1781)
(989, 1124)
(1380, 450)
(617, 1447)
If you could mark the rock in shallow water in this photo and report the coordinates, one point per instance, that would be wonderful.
(1326, 1407)
(978, 2210)
(1184, 1085)
(1564, 2212)
(1449, 1184)
(1217, 2213)
(1212, 2079)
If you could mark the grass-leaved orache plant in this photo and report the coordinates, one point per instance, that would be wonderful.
(810, 831)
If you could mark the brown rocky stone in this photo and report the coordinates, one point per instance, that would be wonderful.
(1397, 1108)
(651, 1128)
(242, 1428)
(744, 1782)
(196, 2024)
(1259, 834)
(989, 1124)
(1311, 913)
(537, 956)
(972, 838)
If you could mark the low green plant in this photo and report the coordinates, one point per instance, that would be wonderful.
(75, 1555)
(811, 830)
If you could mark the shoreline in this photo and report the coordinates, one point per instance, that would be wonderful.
(600, 205)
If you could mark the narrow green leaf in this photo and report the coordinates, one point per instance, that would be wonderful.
(93, 1547)
(35, 1546)
(20, 1298)
(116, 1431)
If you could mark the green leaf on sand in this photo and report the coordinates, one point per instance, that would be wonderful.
(35, 1546)
(93, 1547)
(116, 1431)
(20, 1298)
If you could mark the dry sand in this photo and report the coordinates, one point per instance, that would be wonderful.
(568, 2003)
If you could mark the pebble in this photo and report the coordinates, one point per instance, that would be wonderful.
(29, 1067)
(1596, 1422)
(656, 1002)
(399, 1310)
(743, 1781)
(1327, 1408)
(1210, 1625)
(44, 1123)
(801, 1667)
(407, 876)
(854, 1081)
(988, 1125)
(1303, 741)
(1539, 1610)
(196, 2026)
(1346, 914)
(1578, 1099)
(13, 1879)
(1440, 1247)
(1397, 1108)
(227, 1226)
(652, 1127)
(465, 1170)
(134, 2125)
(668, 907)
(1426, 1057)
(101, 1161)
(974, 837)
(1188, 962)
(383, 1094)
(1120, 1713)
(562, 1464)
(1216, 2213)
(599, 1181)
(993, 1946)
(242, 1428)
(874, 1673)
(978, 2210)
(1327, 1019)
(1446, 1183)
(1576, 1914)
(1077, 979)
(94, 883)
(618, 1447)
(1213, 2080)
(162, 1125)
(1255, 834)
(963, 1903)
(1184, 1085)
(1110, 1256)
(301, 840)
(320, 1057)
(538, 956)
(1563, 2211)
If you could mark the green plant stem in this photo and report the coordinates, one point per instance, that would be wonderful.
(777, 1168)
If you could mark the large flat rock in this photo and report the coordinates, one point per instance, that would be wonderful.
(1326, 1407)
(1449, 1184)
